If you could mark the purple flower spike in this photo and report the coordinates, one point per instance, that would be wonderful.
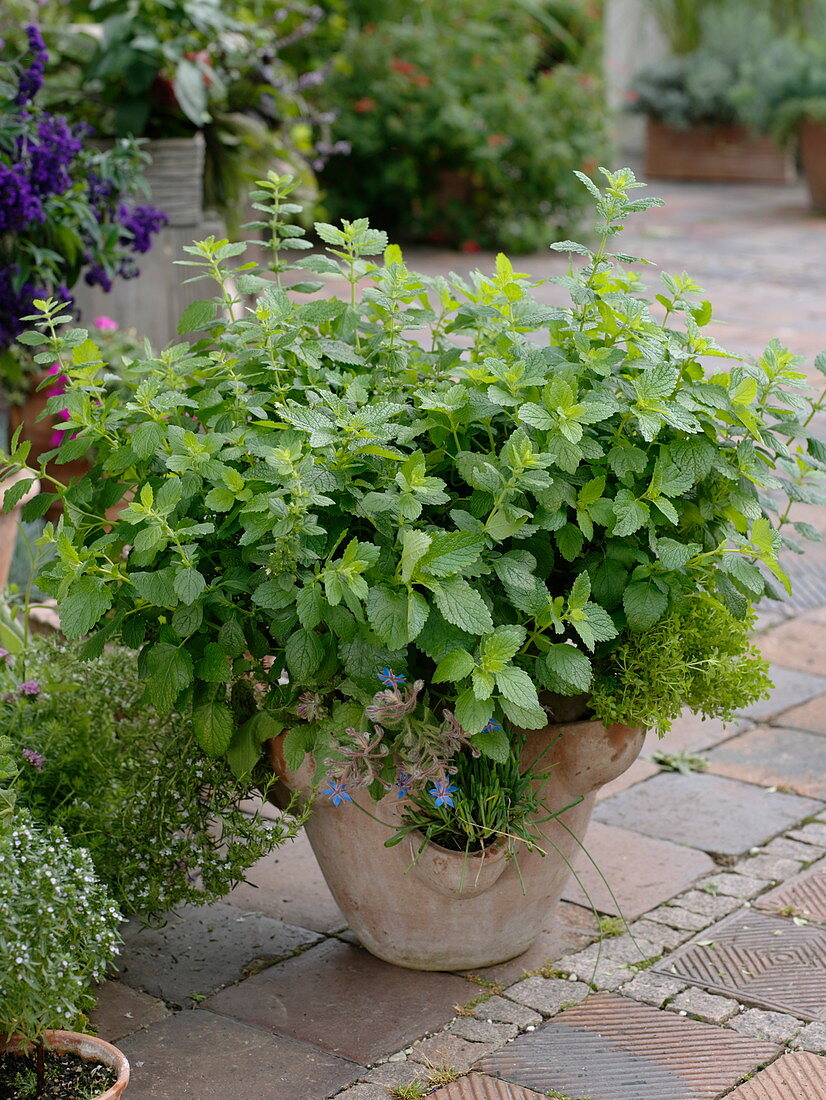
(34, 758)
(29, 687)
(31, 79)
(390, 678)
(337, 791)
(442, 792)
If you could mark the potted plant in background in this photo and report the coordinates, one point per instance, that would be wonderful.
(782, 92)
(67, 213)
(58, 933)
(534, 546)
(695, 128)
(204, 85)
(475, 163)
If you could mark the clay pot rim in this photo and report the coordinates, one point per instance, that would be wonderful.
(76, 1042)
(9, 482)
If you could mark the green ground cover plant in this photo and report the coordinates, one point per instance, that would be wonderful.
(162, 823)
(446, 511)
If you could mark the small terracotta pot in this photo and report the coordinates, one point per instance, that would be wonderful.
(38, 429)
(10, 521)
(813, 160)
(86, 1046)
(444, 910)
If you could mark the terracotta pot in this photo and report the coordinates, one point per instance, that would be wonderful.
(39, 433)
(446, 911)
(87, 1046)
(10, 521)
(714, 153)
(813, 160)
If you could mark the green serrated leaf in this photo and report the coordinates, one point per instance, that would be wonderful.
(87, 601)
(644, 604)
(168, 673)
(565, 669)
(188, 584)
(455, 666)
(304, 653)
(462, 606)
(213, 725)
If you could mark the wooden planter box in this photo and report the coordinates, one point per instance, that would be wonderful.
(813, 160)
(715, 154)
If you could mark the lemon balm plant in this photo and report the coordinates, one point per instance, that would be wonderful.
(487, 503)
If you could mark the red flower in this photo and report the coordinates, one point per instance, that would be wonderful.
(495, 140)
(470, 246)
(364, 105)
(407, 68)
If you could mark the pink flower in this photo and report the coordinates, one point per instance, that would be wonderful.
(36, 759)
(106, 324)
(29, 687)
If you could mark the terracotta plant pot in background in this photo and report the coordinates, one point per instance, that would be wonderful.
(10, 522)
(40, 433)
(813, 160)
(447, 911)
(86, 1046)
(714, 153)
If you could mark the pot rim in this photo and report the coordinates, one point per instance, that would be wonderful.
(89, 1047)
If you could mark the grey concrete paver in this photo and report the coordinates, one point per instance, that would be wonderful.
(200, 949)
(705, 811)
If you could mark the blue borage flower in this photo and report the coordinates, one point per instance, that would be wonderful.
(442, 792)
(403, 781)
(390, 678)
(337, 791)
(492, 727)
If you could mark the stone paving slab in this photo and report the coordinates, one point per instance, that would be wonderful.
(569, 928)
(811, 716)
(704, 811)
(791, 688)
(797, 644)
(344, 1000)
(198, 1055)
(789, 759)
(288, 885)
(792, 1077)
(692, 733)
(121, 1010)
(610, 1048)
(639, 871)
(201, 949)
(759, 959)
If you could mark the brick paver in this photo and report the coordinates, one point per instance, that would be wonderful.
(309, 1027)
(793, 1077)
(609, 1048)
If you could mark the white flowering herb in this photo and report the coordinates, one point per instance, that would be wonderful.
(59, 929)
